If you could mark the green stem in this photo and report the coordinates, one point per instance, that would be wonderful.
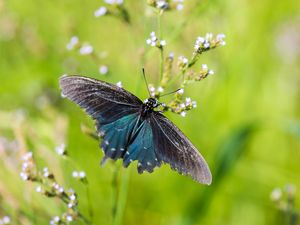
(114, 184)
(122, 196)
(88, 196)
(159, 33)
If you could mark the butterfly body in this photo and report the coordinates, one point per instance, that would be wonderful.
(133, 130)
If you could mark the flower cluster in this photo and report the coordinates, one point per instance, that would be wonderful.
(154, 41)
(61, 149)
(28, 171)
(165, 5)
(86, 49)
(115, 8)
(5, 220)
(49, 187)
(284, 199)
(79, 175)
(203, 44)
(178, 104)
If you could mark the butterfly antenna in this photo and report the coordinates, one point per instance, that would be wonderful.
(146, 81)
(170, 92)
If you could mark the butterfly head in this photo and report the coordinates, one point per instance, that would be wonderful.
(150, 103)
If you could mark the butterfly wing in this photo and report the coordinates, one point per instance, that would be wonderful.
(142, 148)
(174, 148)
(115, 110)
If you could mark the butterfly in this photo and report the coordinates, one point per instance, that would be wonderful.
(134, 130)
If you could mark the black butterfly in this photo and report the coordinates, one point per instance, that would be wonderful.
(133, 130)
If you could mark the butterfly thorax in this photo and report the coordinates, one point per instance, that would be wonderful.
(149, 105)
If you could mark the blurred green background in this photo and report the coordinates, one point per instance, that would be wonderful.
(247, 124)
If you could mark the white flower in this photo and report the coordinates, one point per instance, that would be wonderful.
(38, 189)
(75, 174)
(73, 42)
(163, 42)
(61, 149)
(27, 156)
(69, 218)
(194, 104)
(162, 4)
(24, 176)
(100, 12)
(206, 45)
(180, 91)
(111, 2)
(183, 114)
(72, 197)
(182, 105)
(160, 89)
(103, 69)
(179, 7)
(188, 101)
(46, 172)
(211, 72)
(5, 220)
(86, 49)
(82, 174)
(204, 67)
(119, 84)
(276, 194)
(182, 60)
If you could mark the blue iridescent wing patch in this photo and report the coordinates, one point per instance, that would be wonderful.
(132, 130)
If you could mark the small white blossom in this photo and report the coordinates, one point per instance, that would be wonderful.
(194, 104)
(180, 91)
(70, 205)
(162, 4)
(211, 72)
(112, 2)
(163, 43)
(183, 114)
(276, 194)
(182, 105)
(75, 174)
(46, 172)
(72, 197)
(182, 60)
(152, 41)
(119, 84)
(204, 67)
(160, 89)
(86, 49)
(188, 101)
(69, 218)
(5, 220)
(27, 156)
(82, 174)
(220, 38)
(179, 7)
(61, 149)
(24, 176)
(38, 189)
(73, 42)
(100, 12)
(103, 69)
(206, 45)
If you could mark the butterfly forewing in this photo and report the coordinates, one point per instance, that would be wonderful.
(174, 148)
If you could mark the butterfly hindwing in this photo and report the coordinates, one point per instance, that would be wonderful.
(174, 148)
(116, 136)
(142, 149)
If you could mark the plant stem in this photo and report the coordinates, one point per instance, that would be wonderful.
(88, 196)
(159, 31)
(114, 184)
(122, 196)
